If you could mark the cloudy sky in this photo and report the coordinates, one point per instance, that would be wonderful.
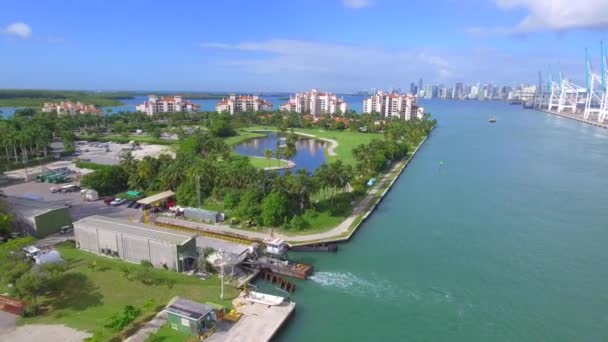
(278, 45)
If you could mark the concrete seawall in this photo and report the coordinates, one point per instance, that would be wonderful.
(372, 207)
(575, 117)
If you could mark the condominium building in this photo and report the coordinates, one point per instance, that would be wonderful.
(315, 103)
(69, 108)
(167, 104)
(403, 106)
(236, 103)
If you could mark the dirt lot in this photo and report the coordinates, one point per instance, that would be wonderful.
(79, 209)
(100, 155)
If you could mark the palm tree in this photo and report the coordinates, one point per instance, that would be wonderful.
(268, 155)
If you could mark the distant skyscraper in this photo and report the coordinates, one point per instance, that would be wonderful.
(413, 89)
(420, 84)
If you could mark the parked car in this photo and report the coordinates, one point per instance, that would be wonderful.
(83, 190)
(130, 204)
(118, 201)
(137, 205)
(107, 200)
(66, 229)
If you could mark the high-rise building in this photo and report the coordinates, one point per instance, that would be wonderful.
(390, 104)
(419, 86)
(315, 103)
(413, 89)
(236, 103)
(167, 104)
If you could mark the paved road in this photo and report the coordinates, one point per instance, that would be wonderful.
(8, 322)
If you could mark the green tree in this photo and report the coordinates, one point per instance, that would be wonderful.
(274, 209)
(268, 155)
(106, 181)
(31, 286)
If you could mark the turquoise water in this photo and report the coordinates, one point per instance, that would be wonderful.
(508, 241)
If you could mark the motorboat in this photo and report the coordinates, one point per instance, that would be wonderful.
(492, 120)
(263, 298)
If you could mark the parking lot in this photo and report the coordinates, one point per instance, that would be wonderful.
(79, 208)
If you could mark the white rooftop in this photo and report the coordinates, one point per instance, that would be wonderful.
(134, 229)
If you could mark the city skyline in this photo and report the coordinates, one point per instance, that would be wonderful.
(93, 46)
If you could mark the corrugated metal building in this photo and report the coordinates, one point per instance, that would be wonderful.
(136, 242)
(38, 218)
(203, 215)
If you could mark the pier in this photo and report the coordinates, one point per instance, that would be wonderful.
(259, 323)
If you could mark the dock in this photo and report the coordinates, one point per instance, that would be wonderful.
(575, 117)
(260, 323)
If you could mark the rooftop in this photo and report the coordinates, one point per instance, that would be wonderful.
(189, 309)
(155, 198)
(29, 208)
(134, 229)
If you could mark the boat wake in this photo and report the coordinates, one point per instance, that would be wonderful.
(352, 284)
(355, 285)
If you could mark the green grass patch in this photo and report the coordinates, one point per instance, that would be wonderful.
(166, 334)
(261, 162)
(90, 296)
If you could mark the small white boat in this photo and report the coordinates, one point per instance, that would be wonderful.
(263, 298)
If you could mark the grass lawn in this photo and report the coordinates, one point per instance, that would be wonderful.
(261, 162)
(347, 140)
(166, 334)
(90, 297)
(242, 136)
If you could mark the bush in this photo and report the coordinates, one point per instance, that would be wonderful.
(297, 223)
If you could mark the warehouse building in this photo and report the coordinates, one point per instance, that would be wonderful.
(136, 242)
(38, 218)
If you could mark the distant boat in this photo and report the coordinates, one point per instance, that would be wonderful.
(492, 120)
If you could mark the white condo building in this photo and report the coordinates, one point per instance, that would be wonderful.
(242, 104)
(167, 104)
(403, 106)
(315, 103)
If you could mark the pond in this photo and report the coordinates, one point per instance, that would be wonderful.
(310, 153)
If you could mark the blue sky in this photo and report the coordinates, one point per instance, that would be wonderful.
(280, 45)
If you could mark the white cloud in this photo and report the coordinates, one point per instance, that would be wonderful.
(316, 64)
(356, 4)
(21, 30)
(553, 15)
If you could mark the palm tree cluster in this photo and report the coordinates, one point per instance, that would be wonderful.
(23, 137)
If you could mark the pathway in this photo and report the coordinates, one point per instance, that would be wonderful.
(335, 232)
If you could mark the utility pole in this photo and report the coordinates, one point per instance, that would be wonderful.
(221, 252)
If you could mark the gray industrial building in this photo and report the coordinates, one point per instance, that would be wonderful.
(38, 218)
(136, 242)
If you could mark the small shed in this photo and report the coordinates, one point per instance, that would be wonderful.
(203, 215)
(191, 317)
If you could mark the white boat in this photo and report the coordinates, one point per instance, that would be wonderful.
(263, 298)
